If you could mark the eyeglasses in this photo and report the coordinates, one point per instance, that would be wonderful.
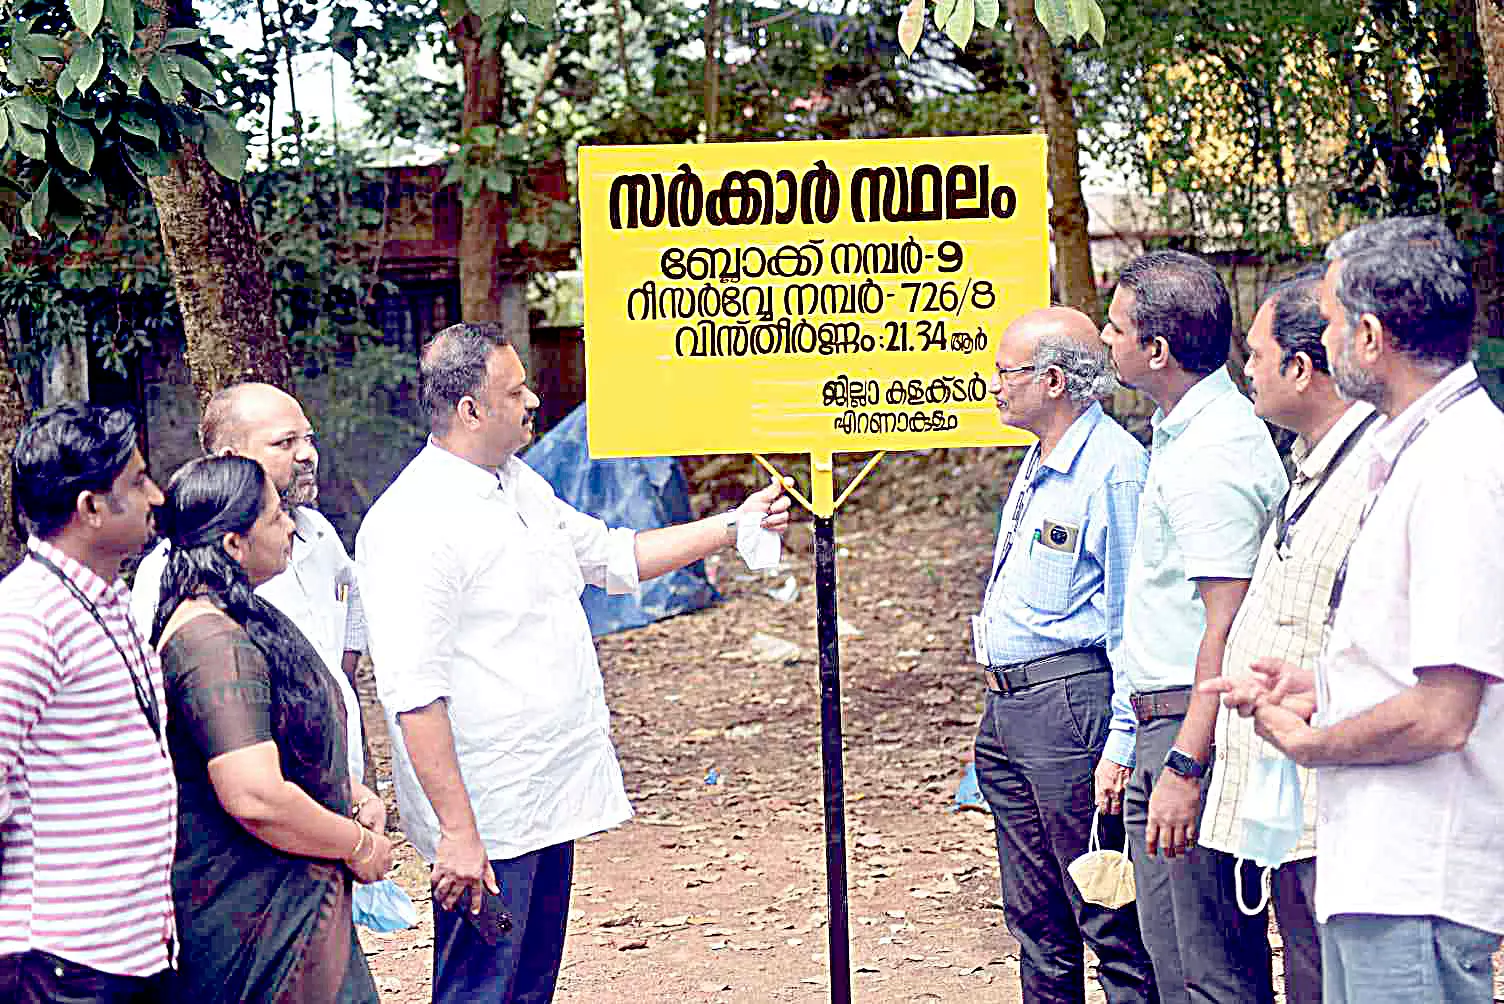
(1010, 370)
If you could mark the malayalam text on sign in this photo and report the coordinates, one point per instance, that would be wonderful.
(806, 297)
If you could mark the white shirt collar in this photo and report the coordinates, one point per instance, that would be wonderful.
(459, 473)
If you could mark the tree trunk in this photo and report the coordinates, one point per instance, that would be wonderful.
(1491, 34)
(229, 318)
(1472, 152)
(12, 417)
(1057, 111)
(486, 268)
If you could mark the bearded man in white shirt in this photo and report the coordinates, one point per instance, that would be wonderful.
(471, 570)
(317, 592)
(1407, 733)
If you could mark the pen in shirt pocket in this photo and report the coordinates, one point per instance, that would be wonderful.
(1032, 541)
(342, 592)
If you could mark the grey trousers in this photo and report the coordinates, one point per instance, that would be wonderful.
(1292, 889)
(1204, 949)
(1035, 754)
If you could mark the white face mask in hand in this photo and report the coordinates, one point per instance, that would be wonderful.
(1273, 819)
(1104, 877)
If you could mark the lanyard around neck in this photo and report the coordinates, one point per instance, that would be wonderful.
(1287, 525)
(146, 698)
(1341, 578)
(1025, 493)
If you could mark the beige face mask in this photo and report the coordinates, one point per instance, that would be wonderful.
(1104, 877)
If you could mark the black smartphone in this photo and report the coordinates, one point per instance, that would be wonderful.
(492, 922)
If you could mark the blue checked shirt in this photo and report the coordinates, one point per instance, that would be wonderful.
(1052, 596)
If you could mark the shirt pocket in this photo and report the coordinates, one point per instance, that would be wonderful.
(552, 556)
(1051, 574)
(1300, 600)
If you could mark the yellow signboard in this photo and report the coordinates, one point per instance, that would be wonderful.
(813, 297)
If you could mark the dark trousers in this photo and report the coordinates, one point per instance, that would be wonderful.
(37, 977)
(1036, 751)
(523, 967)
(1204, 948)
(1292, 889)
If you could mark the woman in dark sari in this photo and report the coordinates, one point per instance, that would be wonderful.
(266, 843)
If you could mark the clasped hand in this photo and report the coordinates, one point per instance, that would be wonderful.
(1280, 697)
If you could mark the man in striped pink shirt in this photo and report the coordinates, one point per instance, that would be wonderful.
(87, 797)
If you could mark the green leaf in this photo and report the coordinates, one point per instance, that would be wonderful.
(513, 145)
(87, 61)
(962, 22)
(28, 111)
(174, 37)
(4, 129)
(484, 9)
(35, 211)
(483, 135)
(987, 13)
(1055, 16)
(516, 234)
(122, 15)
(77, 112)
(68, 223)
(911, 26)
(86, 14)
(165, 78)
(130, 73)
(152, 163)
(537, 234)
(540, 13)
(90, 191)
(66, 82)
(1097, 22)
(943, 10)
(42, 46)
(224, 146)
(139, 125)
(499, 181)
(75, 143)
(196, 73)
(455, 173)
(30, 142)
(5, 238)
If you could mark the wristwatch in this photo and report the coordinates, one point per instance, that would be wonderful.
(1183, 764)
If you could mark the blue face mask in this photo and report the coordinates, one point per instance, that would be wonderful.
(1273, 819)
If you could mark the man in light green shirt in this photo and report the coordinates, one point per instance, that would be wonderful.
(1214, 476)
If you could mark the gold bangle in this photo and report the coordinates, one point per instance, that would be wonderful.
(355, 809)
(368, 855)
(360, 841)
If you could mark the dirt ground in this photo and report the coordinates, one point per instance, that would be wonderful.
(715, 892)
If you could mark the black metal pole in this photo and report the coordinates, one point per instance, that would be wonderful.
(830, 757)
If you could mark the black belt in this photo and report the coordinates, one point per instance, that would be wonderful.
(1172, 702)
(1023, 675)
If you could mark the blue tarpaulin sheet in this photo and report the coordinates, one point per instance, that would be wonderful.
(642, 493)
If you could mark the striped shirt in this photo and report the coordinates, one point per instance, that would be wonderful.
(88, 805)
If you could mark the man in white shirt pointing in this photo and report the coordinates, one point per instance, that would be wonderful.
(471, 571)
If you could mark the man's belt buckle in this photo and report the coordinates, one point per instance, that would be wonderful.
(997, 680)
